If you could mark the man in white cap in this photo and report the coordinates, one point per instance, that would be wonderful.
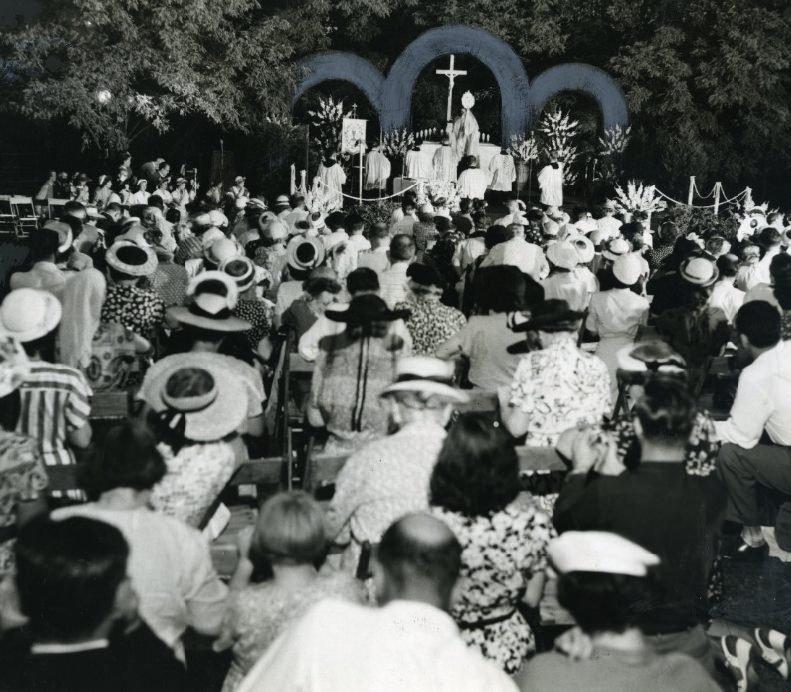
(635, 504)
(369, 496)
(408, 643)
(608, 224)
(604, 578)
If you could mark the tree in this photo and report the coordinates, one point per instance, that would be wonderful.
(114, 67)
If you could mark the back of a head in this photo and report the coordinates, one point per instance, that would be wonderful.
(43, 243)
(68, 574)
(74, 208)
(505, 288)
(321, 284)
(728, 266)
(289, 530)
(408, 205)
(354, 223)
(633, 234)
(759, 322)
(477, 470)
(128, 458)
(715, 245)
(402, 248)
(419, 554)
(769, 238)
(495, 235)
(513, 230)
(362, 280)
(464, 206)
(780, 271)
(379, 231)
(666, 412)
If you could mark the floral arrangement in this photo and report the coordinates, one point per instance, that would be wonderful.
(559, 131)
(397, 143)
(523, 148)
(328, 121)
(431, 190)
(615, 140)
(638, 197)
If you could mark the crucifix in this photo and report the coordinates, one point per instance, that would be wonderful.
(451, 74)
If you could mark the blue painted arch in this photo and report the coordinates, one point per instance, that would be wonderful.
(579, 77)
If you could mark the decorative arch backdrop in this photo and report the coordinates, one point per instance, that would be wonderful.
(522, 102)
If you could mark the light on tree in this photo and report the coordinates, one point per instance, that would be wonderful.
(104, 96)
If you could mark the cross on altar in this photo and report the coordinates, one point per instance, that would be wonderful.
(451, 74)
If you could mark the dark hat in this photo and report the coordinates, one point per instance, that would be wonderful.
(365, 310)
(425, 275)
(553, 315)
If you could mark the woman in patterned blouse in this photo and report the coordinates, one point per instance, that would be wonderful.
(474, 490)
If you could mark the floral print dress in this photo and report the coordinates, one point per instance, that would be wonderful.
(138, 309)
(500, 554)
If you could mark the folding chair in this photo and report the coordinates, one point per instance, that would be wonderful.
(7, 218)
(25, 218)
(55, 207)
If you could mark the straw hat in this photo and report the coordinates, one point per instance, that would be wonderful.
(563, 255)
(217, 218)
(616, 248)
(14, 365)
(131, 259)
(241, 270)
(282, 201)
(65, 237)
(649, 355)
(585, 249)
(212, 296)
(366, 309)
(304, 253)
(699, 271)
(27, 314)
(627, 269)
(429, 376)
(221, 250)
(551, 315)
(211, 401)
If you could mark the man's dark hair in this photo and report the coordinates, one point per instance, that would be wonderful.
(405, 559)
(379, 230)
(362, 279)
(316, 286)
(156, 201)
(769, 237)
(780, 271)
(666, 411)
(464, 206)
(67, 575)
(335, 220)
(402, 248)
(494, 236)
(759, 321)
(354, 222)
(601, 602)
(43, 243)
(128, 458)
(477, 470)
(72, 207)
(506, 289)
(408, 204)
(728, 265)
(535, 215)
(633, 234)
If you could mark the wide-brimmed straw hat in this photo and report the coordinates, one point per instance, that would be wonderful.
(217, 218)
(616, 248)
(627, 269)
(304, 253)
(241, 270)
(27, 314)
(366, 309)
(282, 201)
(211, 297)
(221, 250)
(699, 271)
(555, 314)
(649, 355)
(14, 365)
(131, 259)
(211, 401)
(428, 376)
(584, 247)
(563, 255)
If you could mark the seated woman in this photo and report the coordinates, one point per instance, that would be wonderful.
(604, 580)
(474, 489)
(196, 410)
(319, 293)
(277, 579)
(169, 562)
(485, 337)
(352, 369)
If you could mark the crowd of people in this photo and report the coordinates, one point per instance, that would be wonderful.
(595, 338)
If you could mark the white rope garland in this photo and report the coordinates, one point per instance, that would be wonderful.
(698, 206)
(700, 194)
(365, 199)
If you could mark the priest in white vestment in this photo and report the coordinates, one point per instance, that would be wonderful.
(377, 170)
(332, 180)
(550, 179)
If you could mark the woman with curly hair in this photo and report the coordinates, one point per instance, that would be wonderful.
(474, 489)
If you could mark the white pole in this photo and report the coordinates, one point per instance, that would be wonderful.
(691, 190)
(361, 172)
(717, 188)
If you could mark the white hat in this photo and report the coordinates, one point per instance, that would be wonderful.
(240, 202)
(195, 387)
(202, 220)
(14, 365)
(599, 551)
(427, 375)
(131, 259)
(27, 314)
(65, 237)
(241, 270)
(212, 296)
(239, 179)
(221, 250)
(551, 228)
(209, 236)
(584, 248)
(282, 201)
(563, 255)
(616, 248)
(699, 271)
(627, 269)
(304, 253)
(217, 218)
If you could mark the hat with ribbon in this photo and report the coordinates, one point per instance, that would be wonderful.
(211, 297)
(366, 309)
(649, 355)
(615, 248)
(131, 259)
(217, 218)
(221, 250)
(427, 376)
(27, 314)
(699, 271)
(304, 253)
(200, 393)
(241, 270)
(585, 248)
(282, 201)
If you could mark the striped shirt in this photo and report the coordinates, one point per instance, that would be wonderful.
(55, 400)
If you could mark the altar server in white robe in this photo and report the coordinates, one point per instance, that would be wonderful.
(332, 180)
(416, 164)
(550, 179)
(502, 171)
(473, 181)
(377, 170)
(444, 163)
